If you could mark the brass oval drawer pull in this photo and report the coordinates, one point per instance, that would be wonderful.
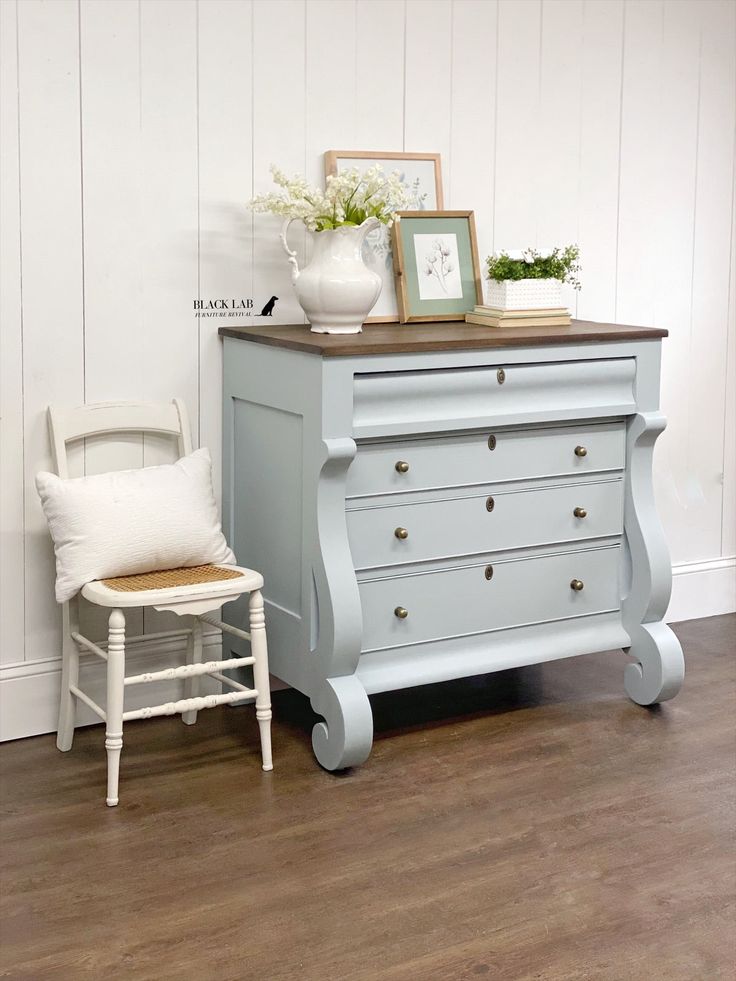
(577, 585)
(491, 442)
(401, 533)
(402, 466)
(488, 572)
(580, 513)
(401, 613)
(501, 376)
(490, 504)
(580, 451)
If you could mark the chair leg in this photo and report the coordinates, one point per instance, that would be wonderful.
(194, 656)
(115, 695)
(69, 676)
(259, 651)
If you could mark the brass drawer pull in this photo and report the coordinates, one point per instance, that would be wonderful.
(580, 513)
(577, 585)
(501, 376)
(491, 442)
(489, 572)
(490, 504)
(401, 533)
(403, 467)
(401, 613)
(580, 451)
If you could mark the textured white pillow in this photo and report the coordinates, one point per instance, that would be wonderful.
(118, 524)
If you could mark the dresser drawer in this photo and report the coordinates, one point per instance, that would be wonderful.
(392, 402)
(466, 526)
(485, 457)
(463, 601)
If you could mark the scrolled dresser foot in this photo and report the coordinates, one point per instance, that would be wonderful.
(346, 736)
(660, 667)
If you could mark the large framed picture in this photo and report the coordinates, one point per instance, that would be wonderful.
(436, 265)
(422, 173)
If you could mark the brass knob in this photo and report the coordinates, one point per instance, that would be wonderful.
(401, 613)
(401, 533)
(403, 467)
(501, 376)
(577, 585)
(580, 451)
(489, 572)
(580, 513)
(491, 442)
(490, 504)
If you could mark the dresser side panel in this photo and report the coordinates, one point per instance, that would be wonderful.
(271, 426)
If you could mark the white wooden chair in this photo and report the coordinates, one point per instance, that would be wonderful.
(197, 600)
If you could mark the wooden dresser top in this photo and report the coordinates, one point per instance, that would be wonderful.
(443, 336)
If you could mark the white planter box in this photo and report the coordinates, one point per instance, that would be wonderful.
(524, 294)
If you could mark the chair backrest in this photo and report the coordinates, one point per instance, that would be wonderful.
(100, 418)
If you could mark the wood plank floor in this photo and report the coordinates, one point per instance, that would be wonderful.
(529, 825)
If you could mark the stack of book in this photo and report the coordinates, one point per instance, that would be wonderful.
(496, 317)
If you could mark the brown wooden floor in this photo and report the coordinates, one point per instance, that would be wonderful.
(529, 825)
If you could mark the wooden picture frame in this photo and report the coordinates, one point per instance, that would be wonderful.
(386, 309)
(420, 303)
(332, 158)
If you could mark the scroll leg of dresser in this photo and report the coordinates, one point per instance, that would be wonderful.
(345, 737)
(660, 667)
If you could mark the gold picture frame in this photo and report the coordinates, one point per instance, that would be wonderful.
(420, 291)
(386, 309)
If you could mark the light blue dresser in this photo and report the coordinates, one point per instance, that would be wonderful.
(435, 501)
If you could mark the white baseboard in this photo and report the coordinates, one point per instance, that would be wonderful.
(29, 691)
(702, 589)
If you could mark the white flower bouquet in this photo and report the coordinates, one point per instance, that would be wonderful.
(348, 200)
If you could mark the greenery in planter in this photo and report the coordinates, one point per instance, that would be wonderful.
(556, 263)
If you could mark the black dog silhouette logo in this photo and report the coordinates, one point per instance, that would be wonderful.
(267, 311)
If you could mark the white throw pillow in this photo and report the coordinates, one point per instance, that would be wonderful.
(130, 521)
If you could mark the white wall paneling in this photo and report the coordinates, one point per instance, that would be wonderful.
(519, 156)
(558, 151)
(711, 380)
(674, 207)
(132, 135)
(469, 182)
(225, 121)
(169, 341)
(428, 79)
(728, 538)
(51, 256)
(640, 160)
(279, 105)
(111, 157)
(12, 598)
(379, 76)
(601, 56)
(329, 123)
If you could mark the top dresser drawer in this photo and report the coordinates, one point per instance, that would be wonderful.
(390, 403)
(487, 457)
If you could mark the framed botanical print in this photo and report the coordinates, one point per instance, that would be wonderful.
(436, 265)
(422, 174)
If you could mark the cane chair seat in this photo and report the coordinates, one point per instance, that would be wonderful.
(169, 586)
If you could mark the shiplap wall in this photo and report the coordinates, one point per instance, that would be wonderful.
(133, 132)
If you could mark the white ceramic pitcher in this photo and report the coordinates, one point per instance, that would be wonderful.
(336, 289)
